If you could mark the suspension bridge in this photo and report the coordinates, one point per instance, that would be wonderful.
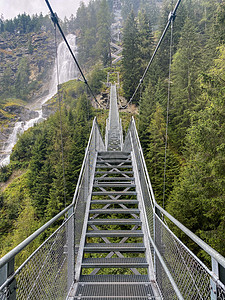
(113, 242)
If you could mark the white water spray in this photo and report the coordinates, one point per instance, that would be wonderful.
(67, 71)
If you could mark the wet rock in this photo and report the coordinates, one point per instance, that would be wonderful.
(48, 109)
(22, 113)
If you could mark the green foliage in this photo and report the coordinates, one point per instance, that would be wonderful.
(38, 195)
(146, 40)
(195, 154)
(96, 78)
(104, 34)
(185, 71)
(24, 23)
(155, 156)
(22, 78)
(198, 197)
(131, 54)
(151, 96)
(93, 24)
(128, 6)
(5, 173)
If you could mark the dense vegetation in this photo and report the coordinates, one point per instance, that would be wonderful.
(26, 24)
(37, 192)
(194, 192)
(195, 179)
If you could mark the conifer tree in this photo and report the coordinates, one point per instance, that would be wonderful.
(103, 35)
(198, 197)
(152, 95)
(131, 56)
(185, 69)
(146, 40)
(155, 156)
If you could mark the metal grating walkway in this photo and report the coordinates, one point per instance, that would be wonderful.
(113, 132)
(114, 264)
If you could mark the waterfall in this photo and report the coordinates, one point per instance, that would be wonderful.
(66, 66)
(67, 71)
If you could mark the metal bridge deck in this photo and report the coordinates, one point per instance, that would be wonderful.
(114, 134)
(114, 264)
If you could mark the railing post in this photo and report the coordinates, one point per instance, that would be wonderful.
(215, 269)
(219, 271)
(70, 253)
(6, 272)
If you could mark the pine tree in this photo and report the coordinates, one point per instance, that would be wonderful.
(128, 6)
(151, 9)
(22, 78)
(155, 156)
(103, 35)
(151, 96)
(146, 40)
(131, 56)
(185, 69)
(40, 176)
(198, 197)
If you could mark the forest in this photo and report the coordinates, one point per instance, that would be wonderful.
(181, 102)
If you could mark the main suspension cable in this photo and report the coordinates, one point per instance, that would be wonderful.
(60, 117)
(171, 18)
(56, 22)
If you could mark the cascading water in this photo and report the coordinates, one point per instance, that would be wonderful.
(67, 71)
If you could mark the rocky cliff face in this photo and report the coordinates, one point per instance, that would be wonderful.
(37, 48)
(39, 52)
(8, 116)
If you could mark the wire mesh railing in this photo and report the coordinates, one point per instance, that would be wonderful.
(179, 274)
(49, 271)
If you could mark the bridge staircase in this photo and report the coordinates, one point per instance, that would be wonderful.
(114, 252)
(113, 241)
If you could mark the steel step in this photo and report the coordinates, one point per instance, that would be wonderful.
(114, 193)
(112, 278)
(80, 297)
(126, 291)
(115, 211)
(116, 262)
(113, 185)
(114, 172)
(113, 161)
(121, 247)
(113, 154)
(114, 167)
(114, 222)
(83, 297)
(114, 179)
(114, 233)
(110, 201)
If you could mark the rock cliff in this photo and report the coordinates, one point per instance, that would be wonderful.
(37, 49)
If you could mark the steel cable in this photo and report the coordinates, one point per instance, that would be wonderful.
(171, 18)
(60, 117)
(56, 23)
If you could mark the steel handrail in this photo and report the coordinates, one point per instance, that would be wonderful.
(143, 163)
(9, 279)
(170, 277)
(208, 249)
(6, 258)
